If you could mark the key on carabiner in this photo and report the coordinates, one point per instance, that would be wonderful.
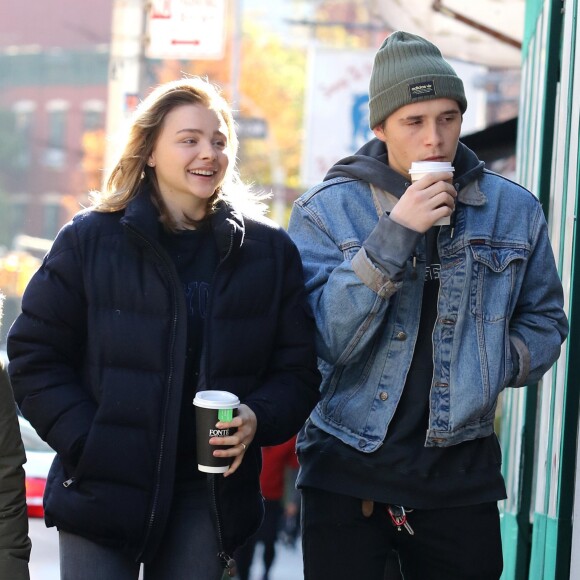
(399, 518)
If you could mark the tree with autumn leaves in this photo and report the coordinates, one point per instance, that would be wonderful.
(93, 147)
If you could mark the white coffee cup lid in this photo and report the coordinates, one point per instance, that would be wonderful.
(216, 400)
(430, 167)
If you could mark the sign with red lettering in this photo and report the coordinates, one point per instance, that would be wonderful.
(186, 29)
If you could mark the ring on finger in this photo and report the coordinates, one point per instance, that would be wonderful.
(244, 446)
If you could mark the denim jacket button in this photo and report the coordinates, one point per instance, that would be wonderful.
(401, 335)
(383, 396)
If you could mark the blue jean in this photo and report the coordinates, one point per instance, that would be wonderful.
(188, 549)
(340, 542)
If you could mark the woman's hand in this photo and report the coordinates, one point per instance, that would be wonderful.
(246, 423)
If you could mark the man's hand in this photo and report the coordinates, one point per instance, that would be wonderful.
(427, 200)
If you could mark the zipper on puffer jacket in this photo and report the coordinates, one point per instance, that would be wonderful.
(153, 512)
(227, 561)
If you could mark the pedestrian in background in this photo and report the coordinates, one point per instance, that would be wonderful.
(172, 282)
(420, 328)
(279, 466)
(14, 541)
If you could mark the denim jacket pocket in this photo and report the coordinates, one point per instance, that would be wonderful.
(494, 275)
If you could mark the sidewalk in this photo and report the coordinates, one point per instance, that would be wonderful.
(287, 565)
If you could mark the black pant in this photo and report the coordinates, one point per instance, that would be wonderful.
(340, 543)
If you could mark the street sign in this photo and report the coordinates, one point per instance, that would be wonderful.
(251, 127)
(186, 29)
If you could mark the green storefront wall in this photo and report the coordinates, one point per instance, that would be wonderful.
(539, 427)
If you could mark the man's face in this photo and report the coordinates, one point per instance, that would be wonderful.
(425, 131)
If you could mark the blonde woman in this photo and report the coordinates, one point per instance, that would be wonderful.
(171, 283)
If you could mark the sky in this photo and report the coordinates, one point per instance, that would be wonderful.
(272, 13)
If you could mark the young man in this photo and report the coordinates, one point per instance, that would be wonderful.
(420, 327)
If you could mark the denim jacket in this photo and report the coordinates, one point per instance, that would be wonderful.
(500, 297)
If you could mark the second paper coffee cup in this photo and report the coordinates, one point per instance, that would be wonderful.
(420, 168)
(211, 407)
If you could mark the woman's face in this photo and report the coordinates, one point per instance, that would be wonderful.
(190, 159)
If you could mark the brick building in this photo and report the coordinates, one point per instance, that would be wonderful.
(53, 91)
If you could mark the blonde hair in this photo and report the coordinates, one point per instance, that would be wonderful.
(145, 126)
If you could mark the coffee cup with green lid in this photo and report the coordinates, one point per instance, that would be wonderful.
(211, 407)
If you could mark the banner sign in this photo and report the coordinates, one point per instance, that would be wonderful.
(186, 29)
(337, 106)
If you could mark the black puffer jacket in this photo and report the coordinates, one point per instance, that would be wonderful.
(97, 364)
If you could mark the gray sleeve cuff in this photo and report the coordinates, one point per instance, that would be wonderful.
(390, 245)
(521, 354)
(372, 276)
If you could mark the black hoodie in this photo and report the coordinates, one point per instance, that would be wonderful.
(370, 164)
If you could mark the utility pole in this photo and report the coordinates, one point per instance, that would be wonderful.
(236, 52)
(125, 69)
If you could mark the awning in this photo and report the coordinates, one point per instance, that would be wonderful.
(482, 32)
(495, 142)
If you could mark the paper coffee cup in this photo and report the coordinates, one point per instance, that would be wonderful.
(211, 407)
(421, 168)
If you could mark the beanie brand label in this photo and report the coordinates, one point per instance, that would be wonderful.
(422, 89)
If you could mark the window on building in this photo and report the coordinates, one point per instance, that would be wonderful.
(55, 152)
(51, 220)
(93, 115)
(23, 123)
(18, 210)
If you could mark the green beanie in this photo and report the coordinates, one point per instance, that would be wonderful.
(409, 69)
